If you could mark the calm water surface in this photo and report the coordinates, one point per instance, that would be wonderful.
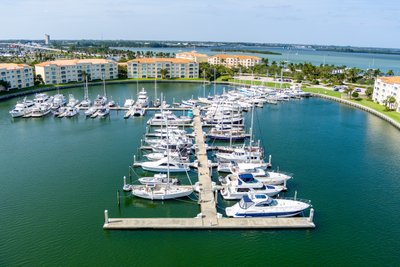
(58, 176)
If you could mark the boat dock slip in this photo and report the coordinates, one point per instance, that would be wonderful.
(208, 218)
(206, 194)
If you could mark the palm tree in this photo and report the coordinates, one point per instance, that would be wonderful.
(163, 73)
(5, 84)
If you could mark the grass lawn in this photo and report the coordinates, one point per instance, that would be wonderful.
(365, 102)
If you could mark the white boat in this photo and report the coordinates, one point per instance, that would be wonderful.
(165, 165)
(103, 112)
(241, 155)
(138, 110)
(70, 112)
(159, 178)
(236, 186)
(91, 111)
(72, 101)
(19, 110)
(160, 191)
(58, 101)
(167, 117)
(261, 205)
(129, 103)
(143, 99)
(100, 100)
(259, 172)
(86, 102)
(41, 98)
(40, 110)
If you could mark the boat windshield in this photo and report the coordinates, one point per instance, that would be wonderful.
(245, 202)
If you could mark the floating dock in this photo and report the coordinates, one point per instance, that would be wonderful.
(208, 218)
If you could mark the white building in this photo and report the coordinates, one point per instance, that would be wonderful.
(175, 68)
(193, 56)
(65, 71)
(18, 75)
(386, 87)
(234, 60)
(46, 39)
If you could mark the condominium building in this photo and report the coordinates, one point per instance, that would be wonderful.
(70, 70)
(193, 56)
(386, 87)
(168, 67)
(234, 60)
(17, 75)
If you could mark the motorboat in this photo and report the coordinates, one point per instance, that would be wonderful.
(72, 101)
(259, 172)
(19, 110)
(138, 110)
(100, 100)
(103, 112)
(227, 135)
(40, 110)
(71, 112)
(241, 155)
(91, 111)
(167, 117)
(164, 164)
(262, 205)
(129, 103)
(58, 101)
(143, 99)
(41, 98)
(157, 103)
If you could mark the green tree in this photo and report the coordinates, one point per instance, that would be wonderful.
(164, 73)
(5, 84)
(390, 73)
(122, 71)
(354, 95)
(369, 91)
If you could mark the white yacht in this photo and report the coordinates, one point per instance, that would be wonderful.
(159, 178)
(129, 103)
(91, 111)
(41, 98)
(167, 117)
(241, 155)
(71, 112)
(19, 110)
(261, 205)
(72, 101)
(58, 101)
(100, 100)
(160, 191)
(164, 165)
(138, 110)
(40, 110)
(259, 172)
(103, 112)
(143, 99)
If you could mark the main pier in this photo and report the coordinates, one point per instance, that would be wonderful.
(208, 217)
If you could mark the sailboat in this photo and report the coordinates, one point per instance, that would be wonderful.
(86, 101)
(161, 191)
(101, 100)
(157, 101)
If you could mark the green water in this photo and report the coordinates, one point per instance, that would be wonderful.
(58, 176)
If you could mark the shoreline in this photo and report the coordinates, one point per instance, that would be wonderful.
(362, 107)
(339, 100)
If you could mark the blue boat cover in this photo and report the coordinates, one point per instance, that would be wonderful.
(246, 177)
(246, 198)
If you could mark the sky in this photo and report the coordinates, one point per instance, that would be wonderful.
(367, 23)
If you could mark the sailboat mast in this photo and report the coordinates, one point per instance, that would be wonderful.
(251, 130)
(104, 85)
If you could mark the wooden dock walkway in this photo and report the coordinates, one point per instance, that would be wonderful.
(208, 218)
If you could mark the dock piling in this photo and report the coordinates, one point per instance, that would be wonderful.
(118, 198)
(295, 195)
(216, 196)
(311, 217)
(106, 217)
(270, 160)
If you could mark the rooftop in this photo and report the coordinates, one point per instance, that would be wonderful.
(391, 80)
(156, 60)
(69, 62)
(192, 53)
(236, 56)
(12, 66)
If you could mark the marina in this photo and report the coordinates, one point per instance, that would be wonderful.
(48, 216)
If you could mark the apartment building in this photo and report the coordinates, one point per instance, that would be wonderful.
(193, 56)
(386, 87)
(234, 60)
(175, 68)
(18, 75)
(70, 70)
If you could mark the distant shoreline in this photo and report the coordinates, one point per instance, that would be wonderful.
(246, 51)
